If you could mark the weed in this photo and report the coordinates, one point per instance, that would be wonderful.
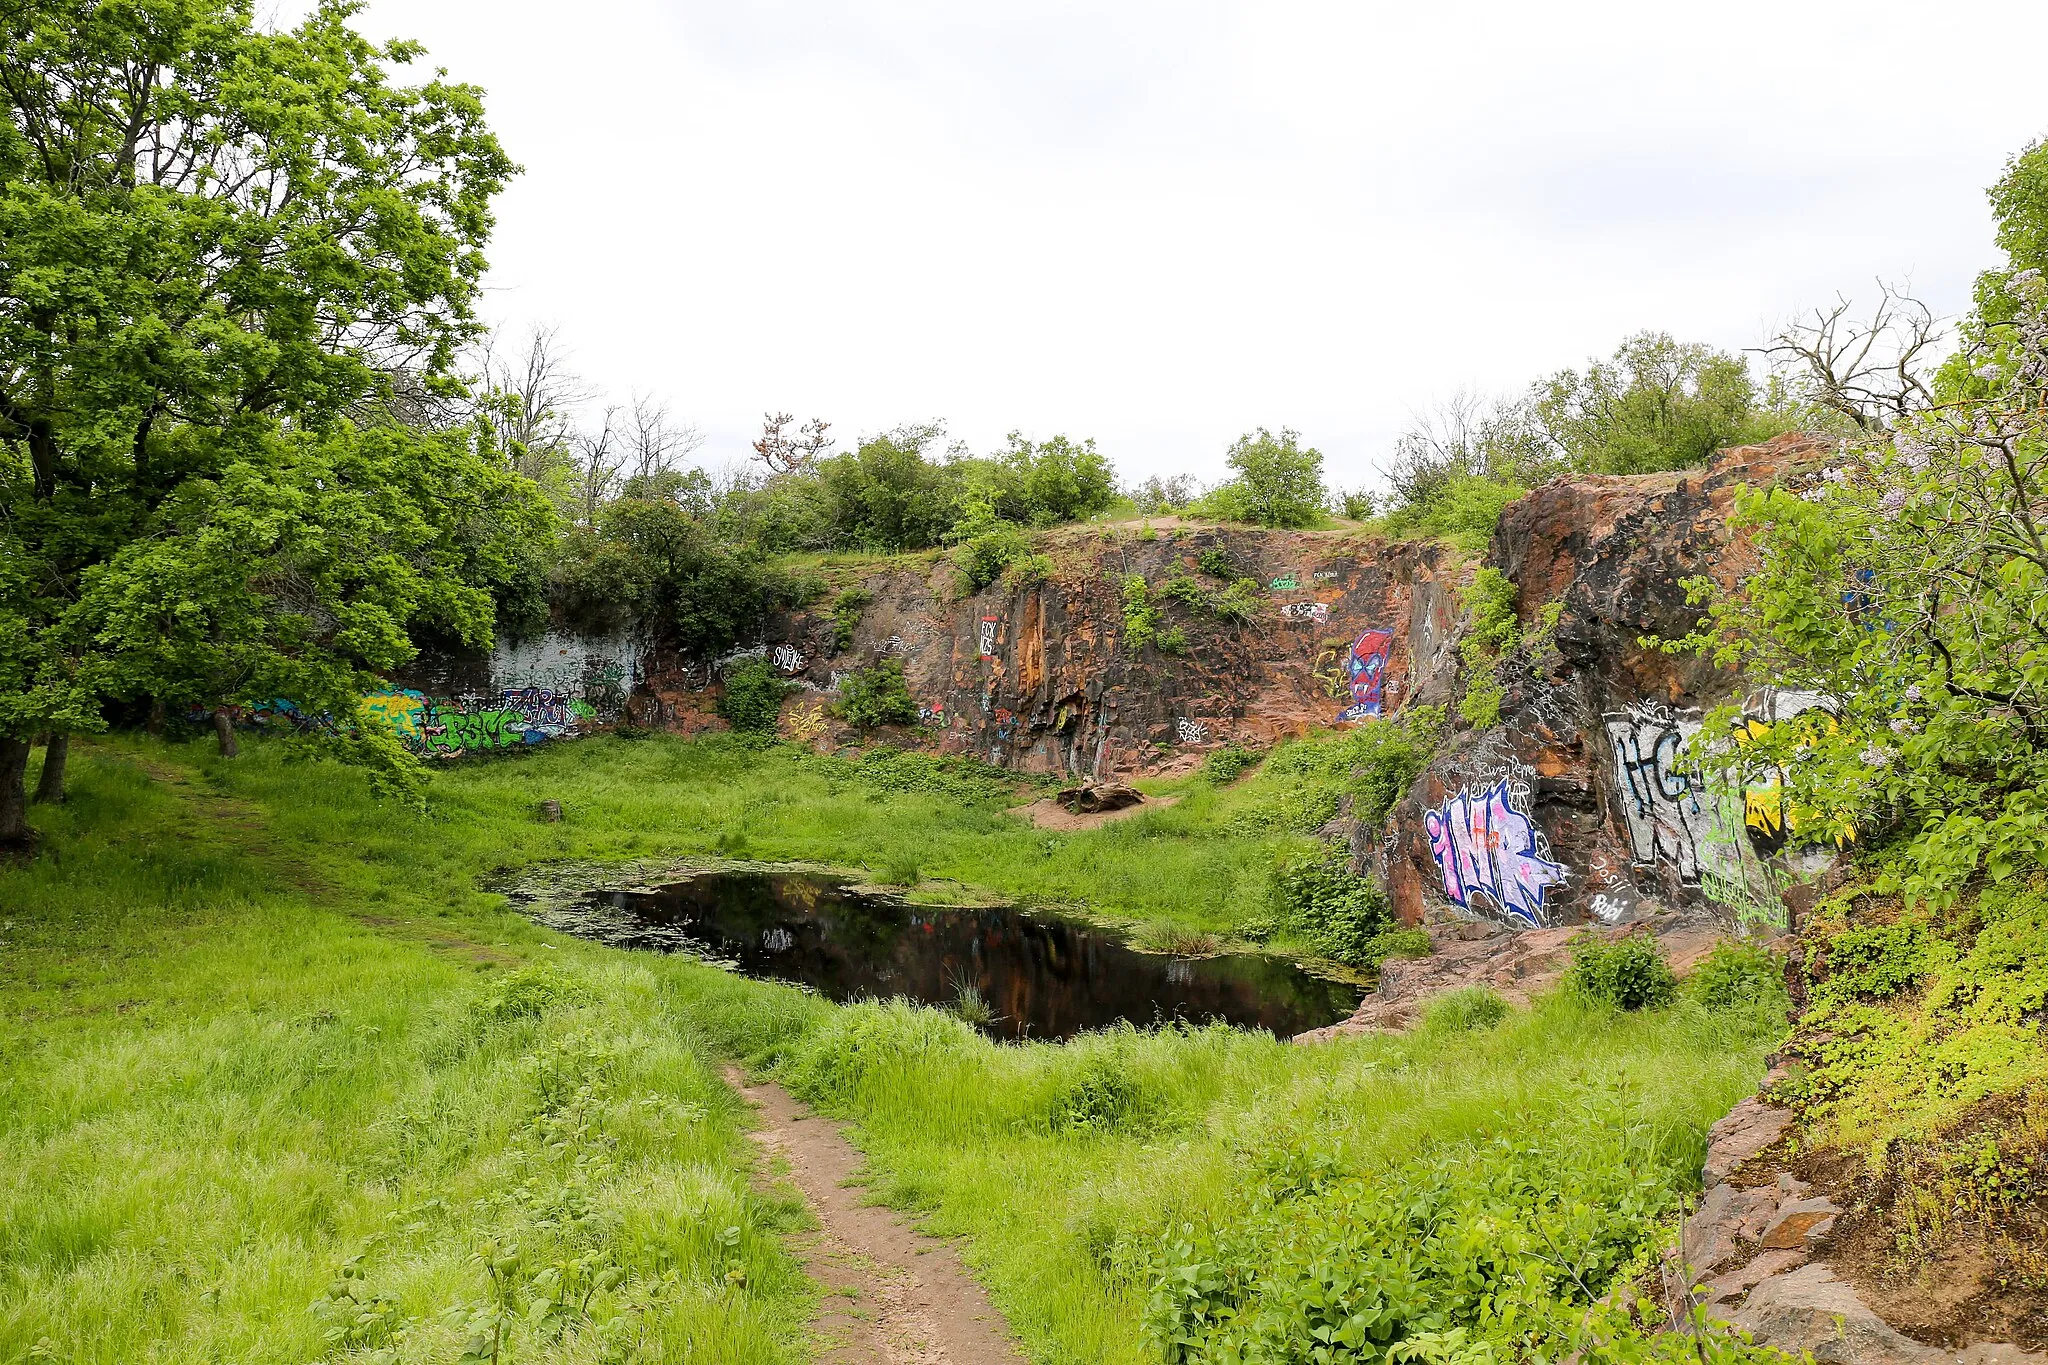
(1627, 972)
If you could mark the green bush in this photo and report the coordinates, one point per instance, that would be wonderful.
(1215, 563)
(1225, 765)
(1495, 631)
(877, 696)
(1028, 571)
(1101, 1093)
(982, 557)
(846, 612)
(1628, 972)
(1739, 976)
(1182, 588)
(1336, 911)
(1141, 614)
(1464, 1011)
(752, 703)
(1393, 943)
(1239, 602)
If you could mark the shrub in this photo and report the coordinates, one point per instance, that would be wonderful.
(753, 697)
(982, 557)
(846, 611)
(1495, 630)
(1239, 602)
(1215, 563)
(1225, 765)
(1739, 976)
(1279, 481)
(1464, 1011)
(1141, 615)
(1393, 943)
(1028, 571)
(877, 696)
(1336, 911)
(1101, 1094)
(1627, 972)
(1182, 588)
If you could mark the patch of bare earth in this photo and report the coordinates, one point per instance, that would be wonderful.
(893, 1295)
(1050, 814)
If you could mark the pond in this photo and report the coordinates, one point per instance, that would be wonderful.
(1042, 977)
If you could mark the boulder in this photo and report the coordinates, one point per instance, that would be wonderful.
(1092, 798)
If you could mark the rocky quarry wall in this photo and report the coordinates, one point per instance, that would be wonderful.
(1576, 807)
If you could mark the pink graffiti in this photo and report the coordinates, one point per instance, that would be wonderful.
(1484, 846)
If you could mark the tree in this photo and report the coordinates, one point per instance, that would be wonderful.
(217, 239)
(1658, 404)
(784, 453)
(1048, 483)
(1279, 481)
(888, 495)
(532, 394)
(1872, 371)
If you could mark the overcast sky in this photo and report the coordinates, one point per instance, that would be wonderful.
(1161, 224)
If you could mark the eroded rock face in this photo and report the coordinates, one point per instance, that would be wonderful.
(1577, 806)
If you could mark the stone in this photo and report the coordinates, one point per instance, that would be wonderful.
(1800, 1223)
(1998, 1353)
(1728, 1288)
(1743, 1132)
(550, 812)
(1808, 1309)
(1712, 1233)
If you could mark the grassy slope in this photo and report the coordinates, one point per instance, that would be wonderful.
(248, 1030)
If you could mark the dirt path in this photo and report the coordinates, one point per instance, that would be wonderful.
(893, 1295)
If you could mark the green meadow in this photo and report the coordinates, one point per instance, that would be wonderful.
(280, 1082)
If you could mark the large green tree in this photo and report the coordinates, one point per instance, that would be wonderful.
(217, 243)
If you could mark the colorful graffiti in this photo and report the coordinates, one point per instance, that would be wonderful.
(1317, 612)
(1366, 668)
(1485, 845)
(1286, 582)
(1662, 801)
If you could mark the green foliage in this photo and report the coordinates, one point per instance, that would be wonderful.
(1463, 1010)
(887, 495)
(209, 268)
(1463, 509)
(1240, 602)
(1180, 587)
(754, 691)
(1141, 613)
(652, 564)
(1739, 976)
(982, 557)
(1045, 484)
(527, 994)
(1627, 972)
(1217, 564)
(1225, 765)
(1028, 571)
(846, 612)
(1657, 404)
(1306, 781)
(957, 778)
(1396, 943)
(1279, 482)
(876, 696)
(1336, 911)
(1495, 631)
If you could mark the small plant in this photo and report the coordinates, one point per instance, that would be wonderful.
(1172, 640)
(1464, 1011)
(1216, 564)
(1178, 940)
(846, 612)
(899, 870)
(1336, 911)
(1495, 631)
(1225, 765)
(877, 696)
(1239, 602)
(1738, 976)
(1141, 615)
(1628, 972)
(752, 703)
(981, 558)
(1028, 571)
(528, 993)
(1182, 588)
(1396, 943)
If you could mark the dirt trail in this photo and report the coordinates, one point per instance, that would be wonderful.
(893, 1295)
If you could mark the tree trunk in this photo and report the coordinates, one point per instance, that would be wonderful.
(51, 786)
(224, 728)
(155, 725)
(14, 830)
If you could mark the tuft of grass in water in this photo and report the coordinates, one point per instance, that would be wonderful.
(1177, 939)
(970, 1006)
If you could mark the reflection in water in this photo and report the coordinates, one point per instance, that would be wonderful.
(1044, 978)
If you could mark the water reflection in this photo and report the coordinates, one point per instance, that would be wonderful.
(1044, 978)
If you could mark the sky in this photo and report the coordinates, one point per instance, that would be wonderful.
(1163, 224)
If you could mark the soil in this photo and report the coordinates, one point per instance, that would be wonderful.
(1050, 814)
(893, 1295)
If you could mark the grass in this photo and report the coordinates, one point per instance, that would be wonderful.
(260, 1032)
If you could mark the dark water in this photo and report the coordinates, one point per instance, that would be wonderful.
(1044, 978)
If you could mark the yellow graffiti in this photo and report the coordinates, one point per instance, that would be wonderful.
(399, 710)
(1763, 799)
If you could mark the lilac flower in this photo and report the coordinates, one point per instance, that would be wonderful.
(1894, 500)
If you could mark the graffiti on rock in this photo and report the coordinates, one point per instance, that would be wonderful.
(1325, 575)
(1661, 795)
(1190, 731)
(1366, 667)
(788, 658)
(1317, 612)
(1286, 582)
(1488, 849)
(933, 714)
(988, 636)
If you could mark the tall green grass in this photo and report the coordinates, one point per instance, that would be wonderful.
(264, 1043)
